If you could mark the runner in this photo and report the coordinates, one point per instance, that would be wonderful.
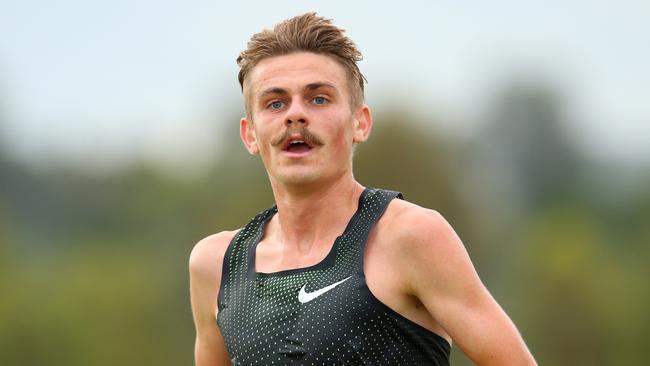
(334, 273)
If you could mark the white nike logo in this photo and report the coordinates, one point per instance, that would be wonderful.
(305, 297)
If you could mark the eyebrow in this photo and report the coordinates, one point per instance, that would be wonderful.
(318, 85)
(272, 90)
(282, 91)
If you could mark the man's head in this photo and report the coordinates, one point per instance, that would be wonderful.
(304, 101)
(303, 33)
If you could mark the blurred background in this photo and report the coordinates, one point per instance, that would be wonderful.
(525, 125)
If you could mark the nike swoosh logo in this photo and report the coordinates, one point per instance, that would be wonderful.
(305, 297)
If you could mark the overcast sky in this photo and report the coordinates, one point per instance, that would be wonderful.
(100, 82)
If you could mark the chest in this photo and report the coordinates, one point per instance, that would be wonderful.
(272, 257)
(376, 262)
(297, 315)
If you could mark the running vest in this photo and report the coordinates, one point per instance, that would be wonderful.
(319, 315)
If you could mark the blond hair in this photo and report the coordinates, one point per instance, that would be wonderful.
(305, 33)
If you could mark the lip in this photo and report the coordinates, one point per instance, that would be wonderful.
(295, 154)
(292, 138)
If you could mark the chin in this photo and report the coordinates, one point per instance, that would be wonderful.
(300, 178)
(297, 176)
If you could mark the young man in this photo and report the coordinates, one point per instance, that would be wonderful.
(334, 273)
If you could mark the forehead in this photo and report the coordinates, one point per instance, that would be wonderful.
(295, 71)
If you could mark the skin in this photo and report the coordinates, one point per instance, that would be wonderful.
(420, 270)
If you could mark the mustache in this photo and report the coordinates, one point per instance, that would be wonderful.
(307, 136)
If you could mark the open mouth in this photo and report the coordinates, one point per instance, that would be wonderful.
(296, 146)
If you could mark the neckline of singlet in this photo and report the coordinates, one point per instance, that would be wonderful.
(328, 261)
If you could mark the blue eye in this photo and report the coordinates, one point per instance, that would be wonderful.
(320, 100)
(276, 105)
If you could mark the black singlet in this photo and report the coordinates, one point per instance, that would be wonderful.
(319, 315)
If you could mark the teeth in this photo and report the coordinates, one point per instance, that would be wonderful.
(297, 142)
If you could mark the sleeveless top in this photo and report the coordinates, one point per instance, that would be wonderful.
(324, 314)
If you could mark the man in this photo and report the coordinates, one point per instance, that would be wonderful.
(334, 273)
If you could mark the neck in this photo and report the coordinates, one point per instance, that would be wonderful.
(308, 217)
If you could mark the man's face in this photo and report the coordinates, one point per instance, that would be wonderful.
(301, 120)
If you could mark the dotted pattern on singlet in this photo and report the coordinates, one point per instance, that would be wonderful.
(263, 323)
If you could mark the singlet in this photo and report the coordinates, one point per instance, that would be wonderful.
(324, 314)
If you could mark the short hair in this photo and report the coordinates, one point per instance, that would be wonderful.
(305, 33)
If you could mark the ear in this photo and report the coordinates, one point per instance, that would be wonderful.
(362, 124)
(248, 136)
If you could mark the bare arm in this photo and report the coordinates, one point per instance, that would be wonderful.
(205, 277)
(443, 278)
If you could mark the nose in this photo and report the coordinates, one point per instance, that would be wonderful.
(296, 114)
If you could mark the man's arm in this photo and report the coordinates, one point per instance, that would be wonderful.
(205, 277)
(442, 277)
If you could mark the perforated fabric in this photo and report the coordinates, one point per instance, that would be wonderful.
(264, 323)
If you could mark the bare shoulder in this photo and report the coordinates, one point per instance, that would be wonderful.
(421, 242)
(206, 263)
(206, 258)
(416, 228)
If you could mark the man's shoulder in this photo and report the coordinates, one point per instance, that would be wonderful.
(407, 218)
(413, 227)
(207, 255)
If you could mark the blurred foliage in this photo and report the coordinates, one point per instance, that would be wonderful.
(93, 270)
